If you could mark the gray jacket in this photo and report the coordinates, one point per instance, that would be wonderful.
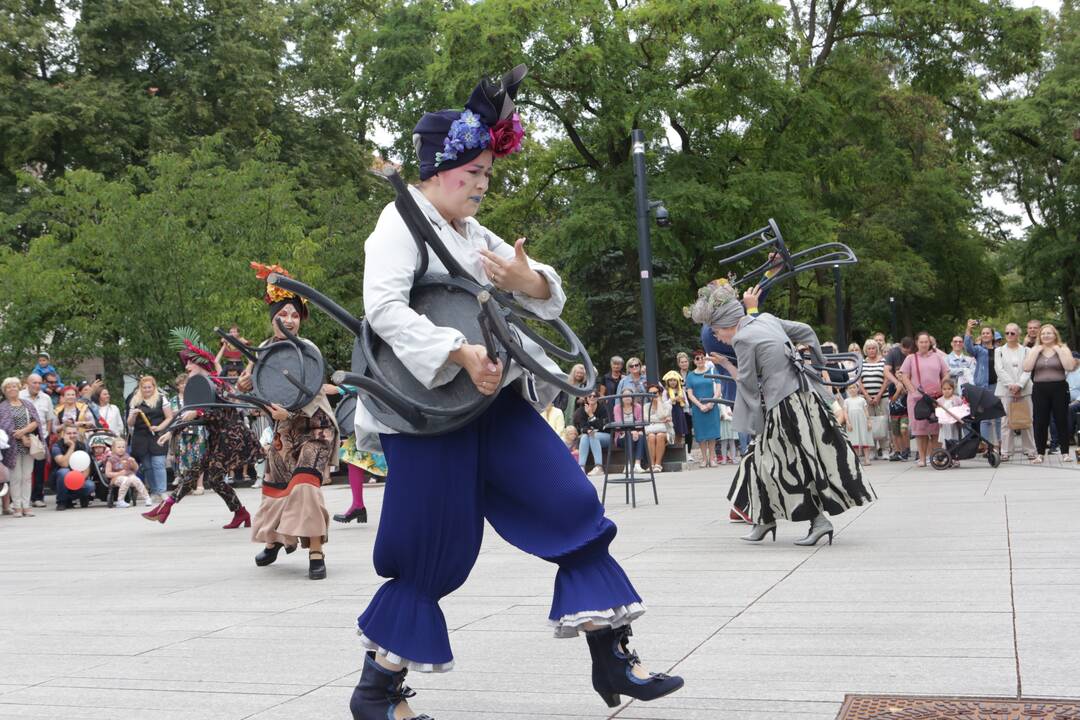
(770, 368)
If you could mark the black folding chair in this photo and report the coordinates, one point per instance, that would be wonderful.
(628, 479)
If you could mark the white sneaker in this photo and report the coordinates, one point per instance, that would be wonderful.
(596, 471)
(122, 504)
(148, 502)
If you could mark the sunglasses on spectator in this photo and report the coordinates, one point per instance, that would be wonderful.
(633, 365)
(1011, 332)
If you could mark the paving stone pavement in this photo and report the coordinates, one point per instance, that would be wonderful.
(962, 582)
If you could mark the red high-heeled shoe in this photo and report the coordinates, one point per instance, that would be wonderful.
(240, 517)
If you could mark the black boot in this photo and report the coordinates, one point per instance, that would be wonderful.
(613, 668)
(359, 514)
(316, 565)
(269, 554)
(379, 692)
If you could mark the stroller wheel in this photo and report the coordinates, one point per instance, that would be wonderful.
(940, 459)
(993, 458)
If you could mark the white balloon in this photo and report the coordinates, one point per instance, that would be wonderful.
(79, 460)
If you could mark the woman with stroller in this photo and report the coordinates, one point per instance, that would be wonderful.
(802, 467)
(921, 374)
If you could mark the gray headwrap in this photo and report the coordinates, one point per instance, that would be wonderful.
(717, 306)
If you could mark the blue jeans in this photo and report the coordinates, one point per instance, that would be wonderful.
(639, 446)
(153, 471)
(744, 442)
(65, 496)
(598, 442)
(991, 429)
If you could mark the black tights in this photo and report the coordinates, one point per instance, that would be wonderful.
(1051, 399)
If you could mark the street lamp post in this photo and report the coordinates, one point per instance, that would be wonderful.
(892, 318)
(841, 331)
(648, 305)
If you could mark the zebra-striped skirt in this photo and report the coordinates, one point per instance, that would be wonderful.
(802, 465)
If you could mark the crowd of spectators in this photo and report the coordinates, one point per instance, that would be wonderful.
(1032, 371)
(49, 429)
(46, 426)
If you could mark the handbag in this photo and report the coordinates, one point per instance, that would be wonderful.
(1019, 415)
(879, 427)
(925, 405)
(36, 448)
(898, 407)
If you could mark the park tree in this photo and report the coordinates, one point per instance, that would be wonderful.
(150, 149)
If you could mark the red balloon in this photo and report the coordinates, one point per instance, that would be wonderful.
(74, 480)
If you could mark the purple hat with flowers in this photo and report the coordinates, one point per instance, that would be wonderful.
(451, 138)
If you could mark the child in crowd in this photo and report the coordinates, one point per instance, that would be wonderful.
(949, 399)
(729, 439)
(120, 470)
(857, 422)
(570, 437)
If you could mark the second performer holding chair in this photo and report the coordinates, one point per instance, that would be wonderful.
(802, 467)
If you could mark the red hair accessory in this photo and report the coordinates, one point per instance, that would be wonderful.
(194, 353)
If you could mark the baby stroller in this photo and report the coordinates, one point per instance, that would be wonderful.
(100, 438)
(984, 405)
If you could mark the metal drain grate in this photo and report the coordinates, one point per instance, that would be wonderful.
(898, 707)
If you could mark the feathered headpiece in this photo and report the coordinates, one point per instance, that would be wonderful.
(276, 297)
(451, 138)
(717, 305)
(189, 346)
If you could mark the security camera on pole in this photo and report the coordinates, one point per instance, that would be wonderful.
(663, 219)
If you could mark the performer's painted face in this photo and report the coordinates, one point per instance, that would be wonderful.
(460, 190)
(289, 317)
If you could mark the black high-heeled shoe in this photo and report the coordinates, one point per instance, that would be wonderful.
(379, 692)
(359, 514)
(269, 554)
(613, 668)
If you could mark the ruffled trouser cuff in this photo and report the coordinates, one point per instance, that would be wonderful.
(402, 618)
(398, 660)
(591, 587)
(569, 626)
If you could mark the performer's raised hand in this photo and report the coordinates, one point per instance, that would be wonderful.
(515, 274)
(751, 298)
(474, 360)
(243, 383)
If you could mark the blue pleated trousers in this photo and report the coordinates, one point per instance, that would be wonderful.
(509, 467)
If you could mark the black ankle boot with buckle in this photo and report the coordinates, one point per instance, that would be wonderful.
(379, 692)
(613, 668)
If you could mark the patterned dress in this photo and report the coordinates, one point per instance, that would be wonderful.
(300, 458)
(230, 444)
(373, 463)
(190, 444)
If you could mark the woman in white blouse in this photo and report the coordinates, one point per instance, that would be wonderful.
(1014, 389)
(505, 467)
(109, 413)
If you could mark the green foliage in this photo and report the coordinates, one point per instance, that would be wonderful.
(150, 150)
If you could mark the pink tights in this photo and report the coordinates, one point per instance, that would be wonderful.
(356, 484)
